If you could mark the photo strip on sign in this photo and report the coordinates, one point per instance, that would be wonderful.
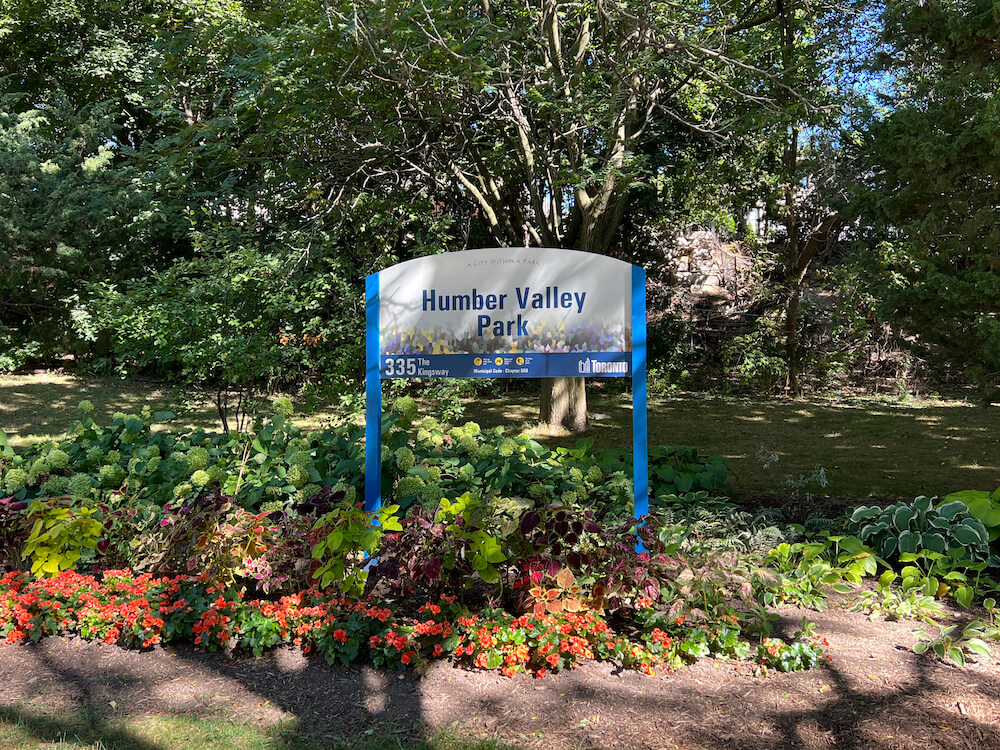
(507, 313)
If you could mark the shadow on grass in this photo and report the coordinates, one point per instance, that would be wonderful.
(181, 698)
(775, 446)
(79, 727)
(89, 723)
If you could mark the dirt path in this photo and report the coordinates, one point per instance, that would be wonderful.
(874, 694)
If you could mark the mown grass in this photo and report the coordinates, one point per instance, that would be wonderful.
(772, 446)
(864, 447)
(26, 728)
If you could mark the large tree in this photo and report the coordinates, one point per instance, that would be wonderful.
(930, 191)
(83, 96)
(547, 117)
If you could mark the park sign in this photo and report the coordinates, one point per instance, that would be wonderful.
(506, 313)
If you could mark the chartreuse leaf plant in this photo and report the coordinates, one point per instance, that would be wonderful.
(906, 601)
(805, 571)
(60, 535)
(952, 574)
(982, 505)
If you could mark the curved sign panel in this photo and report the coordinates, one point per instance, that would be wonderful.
(507, 313)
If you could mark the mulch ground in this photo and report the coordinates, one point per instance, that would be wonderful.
(875, 693)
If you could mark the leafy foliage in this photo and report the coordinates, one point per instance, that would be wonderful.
(60, 535)
(347, 536)
(805, 574)
(276, 463)
(927, 179)
(141, 611)
(897, 603)
(982, 505)
(905, 528)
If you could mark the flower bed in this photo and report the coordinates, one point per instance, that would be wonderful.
(140, 611)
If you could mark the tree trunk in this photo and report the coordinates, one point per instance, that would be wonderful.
(794, 275)
(792, 337)
(564, 404)
(801, 255)
(793, 255)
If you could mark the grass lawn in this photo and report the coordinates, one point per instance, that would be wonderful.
(865, 448)
(26, 728)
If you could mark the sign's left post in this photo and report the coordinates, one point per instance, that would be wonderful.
(373, 397)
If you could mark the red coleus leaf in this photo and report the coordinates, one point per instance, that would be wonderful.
(432, 568)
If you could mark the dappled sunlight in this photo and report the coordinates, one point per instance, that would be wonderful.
(880, 449)
(888, 450)
(35, 408)
(886, 701)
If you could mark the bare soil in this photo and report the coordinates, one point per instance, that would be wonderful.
(875, 693)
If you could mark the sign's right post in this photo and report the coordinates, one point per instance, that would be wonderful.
(640, 437)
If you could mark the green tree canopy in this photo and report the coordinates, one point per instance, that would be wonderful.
(930, 187)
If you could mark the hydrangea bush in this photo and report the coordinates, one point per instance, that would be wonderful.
(276, 463)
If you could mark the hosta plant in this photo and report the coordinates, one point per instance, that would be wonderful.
(982, 505)
(909, 527)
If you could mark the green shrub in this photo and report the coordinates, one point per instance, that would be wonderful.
(277, 462)
(757, 359)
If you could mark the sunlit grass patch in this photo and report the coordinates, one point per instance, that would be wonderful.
(27, 728)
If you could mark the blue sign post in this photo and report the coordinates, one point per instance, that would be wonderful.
(640, 428)
(506, 312)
